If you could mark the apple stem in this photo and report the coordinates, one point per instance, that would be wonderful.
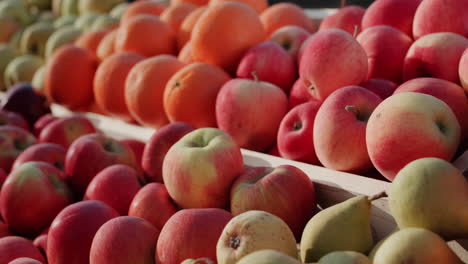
(356, 30)
(343, 3)
(255, 75)
(352, 109)
(377, 196)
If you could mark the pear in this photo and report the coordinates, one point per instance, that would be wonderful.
(38, 80)
(34, 38)
(413, 245)
(93, 6)
(119, 10)
(66, 20)
(198, 261)
(267, 256)
(84, 22)
(7, 54)
(344, 257)
(431, 193)
(62, 36)
(22, 69)
(341, 227)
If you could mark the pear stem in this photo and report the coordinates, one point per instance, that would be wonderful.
(255, 75)
(377, 196)
(356, 30)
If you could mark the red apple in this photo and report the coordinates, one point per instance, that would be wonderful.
(299, 94)
(251, 112)
(199, 169)
(13, 141)
(191, 233)
(328, 53)
(25, 261)
(8, 118)
(300, 53)
(295, 135)
(157, 147)
(4, 231)
(137, 147)
(386, 48)
(435, 55)
(91, 153)
(347, 19)
(414, 125)
(274, 151)
(41, 242)
(395, 13)
(290, 38)
(153, 204)
(42, 122)
(64, 131)
(271, 63)
(124, 240)
(47, 152)
(284, 191)
(463, 70)
(441, 16)
(72, 231)
(116, 186)
(3, 177)
(33, 183)
(13, 247)
(340, 129)
(381, 87)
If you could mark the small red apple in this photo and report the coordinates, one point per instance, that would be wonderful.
(299, 94)
(64, 131)
(42, 122)
(137, 147)
(347, 19)
(13, 247)
(290, 38)
(13, 141)
(47, 152)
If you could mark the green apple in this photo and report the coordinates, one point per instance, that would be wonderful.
(35, 37)
(84, 22)
(38, 80)
(62, 36)
(17, 10)
(22, 69)
(7, 54)
(104, 22)
(118, 10)
(66, 20)
(93, 6)
(69, 7)
(8, 28)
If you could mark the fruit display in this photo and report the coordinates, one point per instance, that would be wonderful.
(233, 131)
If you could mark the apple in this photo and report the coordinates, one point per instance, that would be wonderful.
(268, 256)
(347, 18)
(116, 186)
(40, 242)
(450, 93)
(64, 244)
(3, 177)
(38, 80)
(13, 141)
(4, 230)
(271, 63)
(64, 131)
(22, 69)
(251, 112)
(8, 118)
(104, 22)
(65, 20)
(62, 36)
(198, 170)
(295, 134)
(381, 87)
(124, 240)
(329, 52)
(299, 94)
(34, 38)
(118, 10)
(257, 189)
(153, 203)
(290, 38)
(7, 54)
(395, 13)
(463, 70)
(25, 261)
(42, 122)
(414, 125)
(198, 261)
(435, 55)
(85, 21)
(13, 247)
(137, 147)
(191, 233)
(441, 16)
(92, 6)
(46, 152)
(386, 48)
(17, 10)
(91, 153)
(157, 147)
(69, 7)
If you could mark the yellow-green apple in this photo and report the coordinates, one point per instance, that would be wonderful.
(125, 240)
(299, 94)
(91, 153)
(33, 183)
(13, 141)
(191, 233)
(157, 147)
(435, 55)
(414, 125)
(153, 203)
(119, 10)
(290, 38)
(64, 131)
(7, 54)
(252, 231)
(17, 10)
(386, 49)
(84, 22)
(463, 70)
(295, 134)
(8, 118)
(21, 69)
(37, 81)
(347, 18)
(46, 152)
(34, 38)
(92, 6)
(198, 261)
(284, 191)
(42, 122)
(251, 112)
(62, 36)
(340, 129)
(137, 147)
(198, 170)
(395, 13)
(450, 93)
(67, 246)
(268, 256)
(381, 87)
(116, 186)
(8, 28)
(69, 7)
(271, 63)
(104, 22)
(328, 52)
(24, 260)
(13, 247)
(65, 20)
(4, 231)
(441, 16)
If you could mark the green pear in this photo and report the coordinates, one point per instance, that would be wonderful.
(17, 10)
(431, 193)
(198, 261)
(35, 37)
(413, 245)
(7, 54)
(38, 80)
(344, 257)
(342, 227)
(22, 69)
(8, 28)
(69, 7)
(252, 231)
(118, 10)
(84, 22)
(62, 36)
(66, 20)
(104, 22)
(267, 256)
(93, 6)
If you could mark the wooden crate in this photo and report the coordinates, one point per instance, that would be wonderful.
(331, 186)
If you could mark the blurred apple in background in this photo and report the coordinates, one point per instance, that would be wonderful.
(92, 6)
(65, 20)
(290, 38)
(42, 122)
(381, 87)
(7, 54)
(463, 70)
(34, 38)
(85, 21)
(62, 36)
(8, 118)
(13, 247)
(348, 18)
(299, 94)
(46, 152)
(64, 131)
(17, 10)
(137, 147)
(13, 141)
(38, 80)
